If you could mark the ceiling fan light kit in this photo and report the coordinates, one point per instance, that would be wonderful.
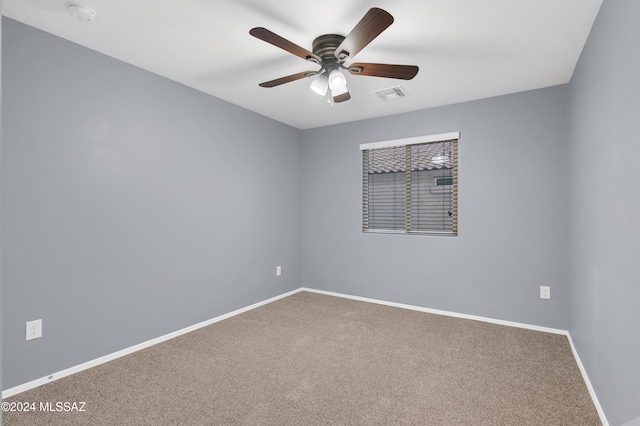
(337, 80)
(331, 51)
(320, 85)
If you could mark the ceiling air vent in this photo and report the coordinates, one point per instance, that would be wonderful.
(391, 93)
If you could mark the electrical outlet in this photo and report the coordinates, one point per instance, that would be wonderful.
(278, 271)
(545, 292)
(34, 329)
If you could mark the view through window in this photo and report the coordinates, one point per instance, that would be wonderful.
(411, 186)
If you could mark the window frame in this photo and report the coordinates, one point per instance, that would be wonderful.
(442, 137)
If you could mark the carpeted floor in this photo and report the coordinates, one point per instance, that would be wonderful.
(311, 359)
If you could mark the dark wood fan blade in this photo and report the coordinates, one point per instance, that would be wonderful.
(403, 72)
(341, 96)
(370, 26)
(288, 79)
(273, 38)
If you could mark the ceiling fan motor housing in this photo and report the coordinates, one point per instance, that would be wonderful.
(325, 46)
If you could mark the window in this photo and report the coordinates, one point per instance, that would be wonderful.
(410, 186)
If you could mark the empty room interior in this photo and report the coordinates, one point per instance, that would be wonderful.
(393, 212)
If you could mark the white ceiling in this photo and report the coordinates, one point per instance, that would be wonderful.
(466, 49)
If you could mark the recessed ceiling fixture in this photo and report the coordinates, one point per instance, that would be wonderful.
(82, 12)
(331, 51)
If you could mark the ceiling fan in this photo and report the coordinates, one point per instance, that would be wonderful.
(331, 51)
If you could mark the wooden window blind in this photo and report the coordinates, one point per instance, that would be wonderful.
(411, 186)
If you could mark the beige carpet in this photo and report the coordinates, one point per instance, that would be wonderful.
(311, 359)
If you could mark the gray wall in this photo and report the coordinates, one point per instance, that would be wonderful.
(512, 158)
(134, 206)
(604, 209)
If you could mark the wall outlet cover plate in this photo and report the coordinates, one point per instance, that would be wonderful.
(34, 329)
(545, 292)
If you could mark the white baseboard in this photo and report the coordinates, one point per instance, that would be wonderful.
(41, 381)
(439, 312)
(592, 392)
(76, 369)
